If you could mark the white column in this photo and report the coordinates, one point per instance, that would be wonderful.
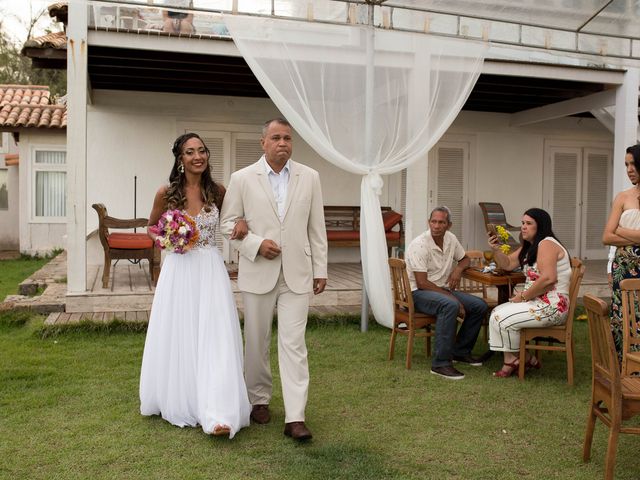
(417, 200)
(626, 126)
(77, 84)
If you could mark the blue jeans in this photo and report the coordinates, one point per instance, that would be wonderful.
(445, 309)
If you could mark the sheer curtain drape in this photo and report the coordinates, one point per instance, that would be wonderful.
(370, 101)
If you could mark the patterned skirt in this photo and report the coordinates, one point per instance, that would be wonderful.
(626, 264)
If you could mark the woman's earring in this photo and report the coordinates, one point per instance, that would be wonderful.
(181, 168)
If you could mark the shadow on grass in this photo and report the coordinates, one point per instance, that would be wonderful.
(116, 326)
(13, 319)
(336, 460)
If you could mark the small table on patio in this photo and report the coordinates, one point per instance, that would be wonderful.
(503, 282)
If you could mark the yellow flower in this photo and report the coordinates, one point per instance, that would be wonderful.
(502, 233)
(505, 249)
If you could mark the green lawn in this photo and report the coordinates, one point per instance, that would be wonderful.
(69, 409)
(12, 272)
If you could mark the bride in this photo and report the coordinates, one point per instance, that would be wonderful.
(192, 372)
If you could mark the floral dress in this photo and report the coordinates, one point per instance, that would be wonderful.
(546, 310)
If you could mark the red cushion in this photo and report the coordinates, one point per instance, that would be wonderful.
(390, 219)
(342, 235)
(392, 235)
(129, 241)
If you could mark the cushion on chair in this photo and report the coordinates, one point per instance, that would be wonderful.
(392, 235)
(342, 235)
(129, 241)
(390, 219)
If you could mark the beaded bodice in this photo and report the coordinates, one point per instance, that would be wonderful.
(206, 223)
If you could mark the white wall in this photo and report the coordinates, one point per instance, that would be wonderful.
(510, 160)
(131, 134)
(37, 236)
(9, 226)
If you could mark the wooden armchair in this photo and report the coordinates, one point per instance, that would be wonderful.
(493, 213)
(557, 338)
(614, 397)
(130, 246)
(630, 290)
(406, 321)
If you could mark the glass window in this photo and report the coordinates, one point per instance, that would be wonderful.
(4, 189)
(50, 184)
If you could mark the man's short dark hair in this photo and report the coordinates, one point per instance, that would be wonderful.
(278, 120)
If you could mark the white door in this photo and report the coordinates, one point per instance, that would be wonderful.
(577, 195)
(230, 151)
(450, 175)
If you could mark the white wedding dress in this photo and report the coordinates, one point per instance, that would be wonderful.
(192, 364)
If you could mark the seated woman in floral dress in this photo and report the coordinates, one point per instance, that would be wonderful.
(544, 301)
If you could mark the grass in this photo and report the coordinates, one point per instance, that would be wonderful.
(15, 271)
(69, 409)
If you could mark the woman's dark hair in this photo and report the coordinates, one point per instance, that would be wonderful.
(529, 252)
(212, 193)
(634, 151)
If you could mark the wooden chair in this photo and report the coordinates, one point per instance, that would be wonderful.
(406, 320)
(130, 246)
(493, 213)
(630, 290)
(476, 288)
(614, 397)
(557, 338)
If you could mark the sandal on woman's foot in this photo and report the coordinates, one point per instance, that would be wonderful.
(533, 363)
(221, 431)
(513, 368)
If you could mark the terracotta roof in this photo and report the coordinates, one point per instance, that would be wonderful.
(27, 106)
(57, 40)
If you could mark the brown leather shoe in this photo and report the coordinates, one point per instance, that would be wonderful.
(297, 431)
(260, 414)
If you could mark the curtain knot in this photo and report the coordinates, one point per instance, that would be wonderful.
(375, 182)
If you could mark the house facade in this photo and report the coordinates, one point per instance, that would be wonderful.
(542, 127)
(34, 172)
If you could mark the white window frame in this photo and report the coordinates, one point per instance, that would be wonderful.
(4, 142)
(35, 167)
(5, 169)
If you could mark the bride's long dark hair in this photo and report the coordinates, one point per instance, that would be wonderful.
(212, 193)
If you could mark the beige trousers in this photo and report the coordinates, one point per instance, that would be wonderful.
(293, 309)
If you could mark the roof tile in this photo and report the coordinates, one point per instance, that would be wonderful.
(28, 106)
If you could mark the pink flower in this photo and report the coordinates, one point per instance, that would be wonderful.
(176, 231)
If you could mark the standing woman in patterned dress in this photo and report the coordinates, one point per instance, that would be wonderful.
(623, 231)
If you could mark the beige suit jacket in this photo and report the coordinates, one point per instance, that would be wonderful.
(301, 235)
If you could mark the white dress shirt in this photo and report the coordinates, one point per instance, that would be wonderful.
(279, 183)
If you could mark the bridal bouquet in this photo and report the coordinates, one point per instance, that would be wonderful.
(176, 231)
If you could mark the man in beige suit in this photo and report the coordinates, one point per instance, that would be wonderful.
(282, 259)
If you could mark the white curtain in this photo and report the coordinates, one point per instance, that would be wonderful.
(370, 101)
(50, 184)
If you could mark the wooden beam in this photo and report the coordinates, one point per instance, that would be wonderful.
(564, 109)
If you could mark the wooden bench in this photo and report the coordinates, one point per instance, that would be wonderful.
(343, 226)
